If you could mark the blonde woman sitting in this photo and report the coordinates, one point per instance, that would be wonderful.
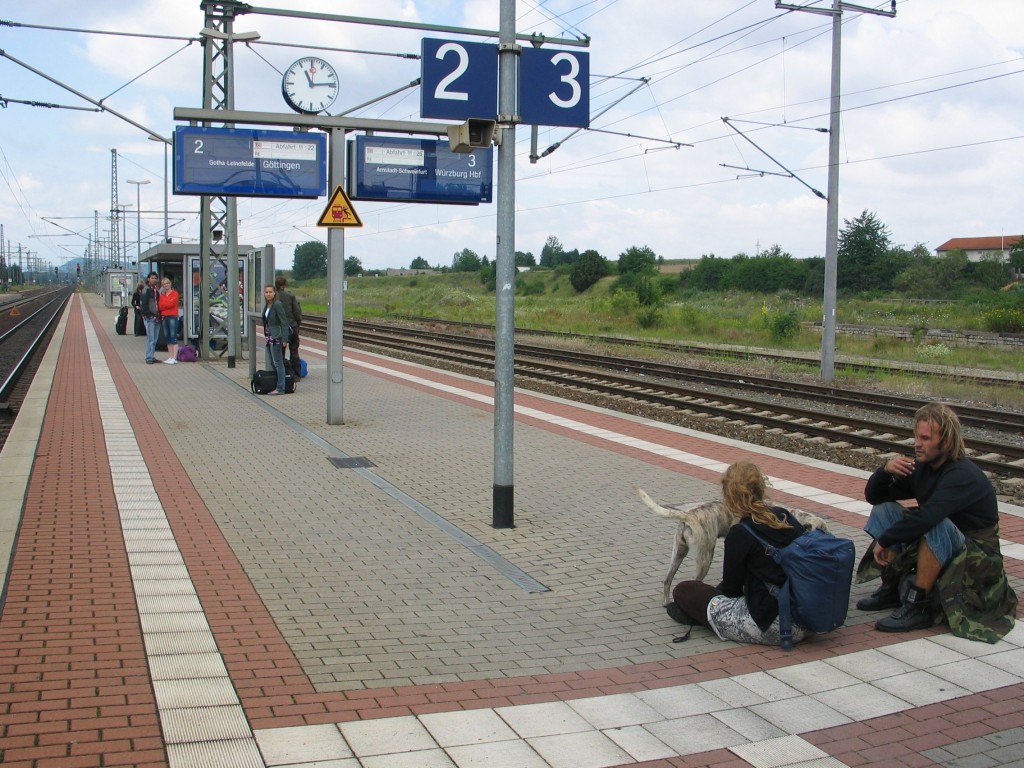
(742, 608)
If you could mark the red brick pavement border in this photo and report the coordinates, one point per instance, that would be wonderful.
(76, 690)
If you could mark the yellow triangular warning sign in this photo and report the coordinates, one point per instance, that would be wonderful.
(339, 212)
(15, 312)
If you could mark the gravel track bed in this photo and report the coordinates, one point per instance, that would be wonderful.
(1009, 490)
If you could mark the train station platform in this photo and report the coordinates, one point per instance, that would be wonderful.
(199, 577)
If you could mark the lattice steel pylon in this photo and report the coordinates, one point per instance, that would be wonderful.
(218, 214)
(115, 211)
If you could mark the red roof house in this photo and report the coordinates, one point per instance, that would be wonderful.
(977, 248)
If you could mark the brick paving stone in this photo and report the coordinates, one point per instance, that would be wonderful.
(383, 615)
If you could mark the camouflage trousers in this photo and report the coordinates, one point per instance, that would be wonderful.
(972, 593)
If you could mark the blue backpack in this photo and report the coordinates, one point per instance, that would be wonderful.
(819, 572)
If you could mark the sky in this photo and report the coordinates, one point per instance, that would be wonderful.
(931, 139)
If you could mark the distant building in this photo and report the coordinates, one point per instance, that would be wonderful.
(391, 272)
(978, 248)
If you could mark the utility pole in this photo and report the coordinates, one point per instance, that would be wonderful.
(828, 321)
(502, 512)
(219, 214)
(115, 209)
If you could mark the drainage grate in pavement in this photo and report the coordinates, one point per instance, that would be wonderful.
(350, 462)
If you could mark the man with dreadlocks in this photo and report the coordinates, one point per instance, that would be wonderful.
(945, 551)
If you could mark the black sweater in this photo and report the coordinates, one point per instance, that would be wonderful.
(957, 490)
(747, 566)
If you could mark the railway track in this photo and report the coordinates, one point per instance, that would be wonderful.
(24, 336)
(843, 418)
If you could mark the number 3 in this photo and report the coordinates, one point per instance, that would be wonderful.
(570, 78)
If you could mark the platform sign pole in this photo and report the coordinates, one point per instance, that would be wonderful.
(231, 279)
(335, 287)
(503, 510)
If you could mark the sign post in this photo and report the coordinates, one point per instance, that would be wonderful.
(553, 89)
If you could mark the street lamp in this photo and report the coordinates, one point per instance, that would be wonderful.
(138, 217)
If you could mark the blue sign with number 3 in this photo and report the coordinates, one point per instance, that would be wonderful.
(459, 80)
(554, 87)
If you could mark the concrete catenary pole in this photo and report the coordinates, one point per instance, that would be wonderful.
(503, 510)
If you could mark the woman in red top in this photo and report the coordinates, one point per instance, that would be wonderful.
(168, 303)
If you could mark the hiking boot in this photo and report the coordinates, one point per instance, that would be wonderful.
(914, 613)
(885, 597)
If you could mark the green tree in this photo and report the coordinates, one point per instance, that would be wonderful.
(862, 255)
(310, 261)
(991, 273)
(708, 275)
(419, 263)
(587, 270)
(918, 281)
(465, 260)
(950, 268)
(550, 255)
(353, 266)
(1017, 256)
(638, 261)
(525, 259)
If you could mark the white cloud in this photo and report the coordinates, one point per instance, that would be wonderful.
(907, 89)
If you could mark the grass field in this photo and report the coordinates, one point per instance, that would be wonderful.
(545, 300)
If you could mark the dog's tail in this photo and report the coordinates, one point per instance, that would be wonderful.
(655, 507)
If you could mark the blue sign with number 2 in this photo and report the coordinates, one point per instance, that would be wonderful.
(459, 80)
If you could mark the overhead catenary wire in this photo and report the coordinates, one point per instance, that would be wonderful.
(577, 163)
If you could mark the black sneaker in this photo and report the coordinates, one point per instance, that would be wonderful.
(676, 613)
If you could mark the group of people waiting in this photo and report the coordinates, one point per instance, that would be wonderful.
(939, 557)
(157, 307)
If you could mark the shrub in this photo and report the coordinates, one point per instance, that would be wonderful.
(625, 302)
(530, 288)
(1004, 320)
(648, 317)
(456, 298)
(933, 351)
(781, 326)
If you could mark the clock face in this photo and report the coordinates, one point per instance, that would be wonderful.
(310, 85)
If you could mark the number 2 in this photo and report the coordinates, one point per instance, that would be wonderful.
(442, 92)
(199, 147)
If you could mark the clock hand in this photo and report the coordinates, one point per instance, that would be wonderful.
(309, 77)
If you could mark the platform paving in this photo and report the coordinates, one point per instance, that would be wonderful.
(198, 576)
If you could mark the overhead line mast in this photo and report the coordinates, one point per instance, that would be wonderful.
(828, 322)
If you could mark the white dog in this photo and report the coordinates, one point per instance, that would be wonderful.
(700, 526)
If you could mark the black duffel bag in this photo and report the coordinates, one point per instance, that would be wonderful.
(264, 382)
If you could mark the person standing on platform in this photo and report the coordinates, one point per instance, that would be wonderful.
(293, 310)
(140, 326)
(150, 309)
(275, 331)
(168, 302)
